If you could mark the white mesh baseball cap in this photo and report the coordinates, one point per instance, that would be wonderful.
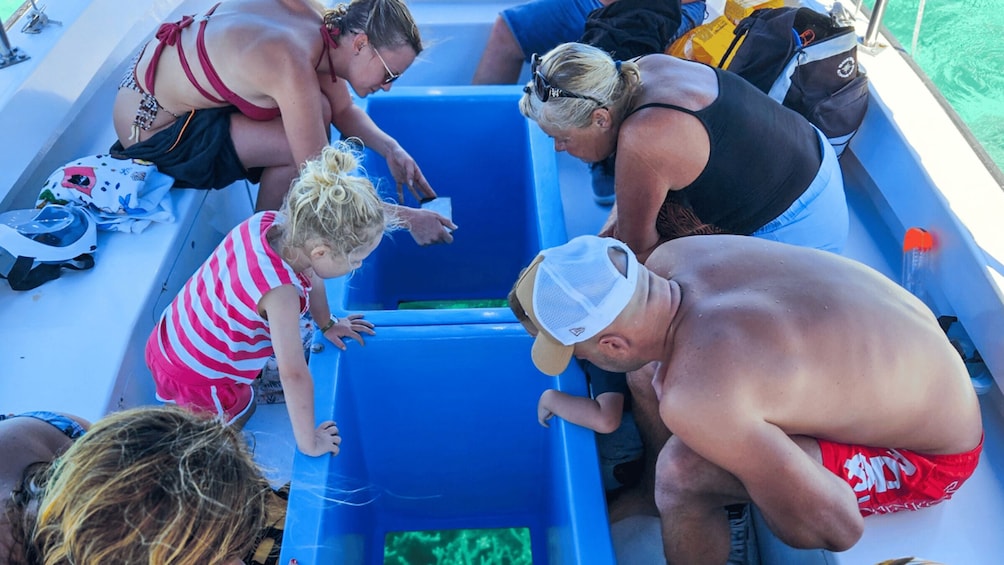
(569, 294)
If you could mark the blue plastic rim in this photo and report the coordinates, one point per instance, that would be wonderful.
(440, 432)
(500, 170)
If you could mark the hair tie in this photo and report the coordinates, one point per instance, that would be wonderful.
(617, 65)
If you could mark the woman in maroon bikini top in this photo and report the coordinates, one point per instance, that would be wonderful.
(286, 66)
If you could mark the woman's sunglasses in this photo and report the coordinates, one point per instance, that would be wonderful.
(390, 76)
(540, 86)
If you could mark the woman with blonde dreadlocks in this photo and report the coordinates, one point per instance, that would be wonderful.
(244, 303)
(151, 485)
(250, 88)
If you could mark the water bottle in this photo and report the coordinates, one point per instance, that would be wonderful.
(917, 246)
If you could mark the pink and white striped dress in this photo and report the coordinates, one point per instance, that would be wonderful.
(213, 328)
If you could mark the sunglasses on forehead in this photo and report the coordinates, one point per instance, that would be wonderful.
(541, 87)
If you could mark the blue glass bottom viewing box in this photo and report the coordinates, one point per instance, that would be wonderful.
(500, 172)
(440, 433)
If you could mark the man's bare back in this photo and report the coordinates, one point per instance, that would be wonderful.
(813, 343)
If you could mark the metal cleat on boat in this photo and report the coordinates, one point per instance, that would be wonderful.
(37, 19)
(841, 16)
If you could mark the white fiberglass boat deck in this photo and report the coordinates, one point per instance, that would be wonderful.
(74, 344)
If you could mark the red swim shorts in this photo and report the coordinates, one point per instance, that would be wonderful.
(890, 480)
(224, 397)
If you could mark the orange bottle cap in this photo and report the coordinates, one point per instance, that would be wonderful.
(917, 239)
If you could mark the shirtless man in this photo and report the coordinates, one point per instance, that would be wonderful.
(774, 366)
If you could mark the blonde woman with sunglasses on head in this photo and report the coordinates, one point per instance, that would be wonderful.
(698, 149)
(249, 89)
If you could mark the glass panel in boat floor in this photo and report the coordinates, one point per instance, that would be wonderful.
(502, 546)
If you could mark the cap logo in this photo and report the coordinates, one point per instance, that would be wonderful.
(577, 331)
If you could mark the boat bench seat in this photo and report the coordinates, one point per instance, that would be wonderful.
(88, 328)
(94, 323)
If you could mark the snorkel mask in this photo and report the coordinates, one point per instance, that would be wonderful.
(35, 245)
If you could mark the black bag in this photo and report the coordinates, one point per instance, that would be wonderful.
(632, 28)
(809, 63)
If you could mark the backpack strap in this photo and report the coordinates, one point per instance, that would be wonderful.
(23, 277)
(766, 47)
(739, 32)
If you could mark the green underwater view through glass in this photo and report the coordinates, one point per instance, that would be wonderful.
(452, 304)
(498, 546)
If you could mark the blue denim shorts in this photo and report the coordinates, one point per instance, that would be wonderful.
(691, 16)
(819, 217)
(542, 25)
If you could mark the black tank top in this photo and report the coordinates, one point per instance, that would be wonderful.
(763, 157)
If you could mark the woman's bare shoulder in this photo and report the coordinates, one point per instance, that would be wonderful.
(26, 440)
(262, 33)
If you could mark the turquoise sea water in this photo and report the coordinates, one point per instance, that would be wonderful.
(7, 8)
(961, 49)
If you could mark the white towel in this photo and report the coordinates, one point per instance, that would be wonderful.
(122, 194)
